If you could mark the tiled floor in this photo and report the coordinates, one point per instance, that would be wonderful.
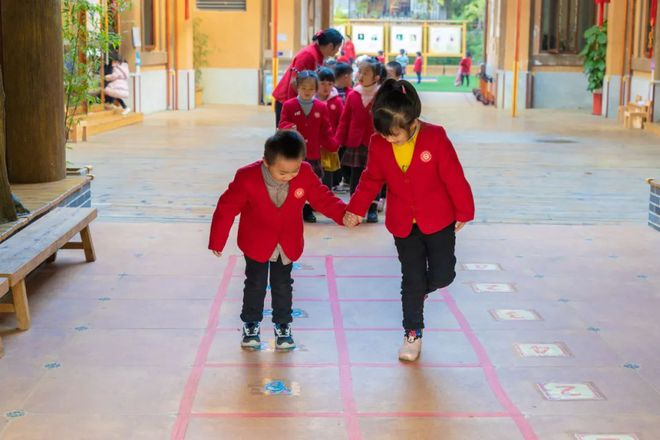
(144, 343)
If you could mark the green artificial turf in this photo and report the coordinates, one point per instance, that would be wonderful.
(442, 84)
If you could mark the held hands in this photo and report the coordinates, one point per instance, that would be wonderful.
(351, 220)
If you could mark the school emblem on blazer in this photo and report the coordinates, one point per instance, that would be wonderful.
(317, 115)
(333, 107)
(299, 193)
(426, 156)
(297, 113)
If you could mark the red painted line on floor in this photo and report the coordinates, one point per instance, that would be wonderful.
(329, 414)
(414, 365)
(375, 257)
(366, 276)
(489, 370)
(365, 300)
(444, 415)
(271, 365)
(345, 379)
(186, 404)
(351, 329)
(235, 415)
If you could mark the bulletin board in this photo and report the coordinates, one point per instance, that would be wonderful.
(446, 40)
(408, 38)
(368, 39)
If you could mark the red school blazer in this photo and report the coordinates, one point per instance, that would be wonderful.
(433, 191)
(262, 224)
(356, 124)
(315, 128)
(335, 107)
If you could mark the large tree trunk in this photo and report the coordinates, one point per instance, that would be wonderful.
(7, 210)
(32, 61)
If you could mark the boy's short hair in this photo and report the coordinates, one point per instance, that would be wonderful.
(326, 74)
(342, 69)
(397, 67)
(287, 144)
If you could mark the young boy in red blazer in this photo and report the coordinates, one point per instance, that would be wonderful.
(270, 195)
(310, 117)
(428, 200)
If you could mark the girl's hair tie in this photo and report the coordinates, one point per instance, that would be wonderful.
(403, 89)
(319, 34)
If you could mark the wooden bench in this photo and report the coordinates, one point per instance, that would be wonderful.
(27, 249)
(637, 114)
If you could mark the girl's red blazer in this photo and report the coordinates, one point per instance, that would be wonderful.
(314, 128)
(335, 107)
(356, 124)
(263, 225)
(433, 192)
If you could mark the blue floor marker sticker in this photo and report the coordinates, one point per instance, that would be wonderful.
(14, 414)
(81, 328)
(52, 365)
(631, 366)
(296, 313)
(275, 387)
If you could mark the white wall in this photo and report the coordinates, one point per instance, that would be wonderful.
(153, 93)
(230, 86)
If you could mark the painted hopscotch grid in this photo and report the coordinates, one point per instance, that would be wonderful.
(350, 414)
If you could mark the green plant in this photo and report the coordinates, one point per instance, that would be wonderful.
(87, 42)
(594, 53)
(200, 50)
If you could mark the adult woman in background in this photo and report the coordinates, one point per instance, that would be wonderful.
(325, 44)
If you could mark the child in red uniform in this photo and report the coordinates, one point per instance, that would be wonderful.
(356, 124)
(309, 116)
(417, 67)
(465, 66)
(343, 79)
(428, 199)
(269, 195)
(328, 93)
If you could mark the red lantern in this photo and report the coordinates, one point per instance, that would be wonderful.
(601, 9)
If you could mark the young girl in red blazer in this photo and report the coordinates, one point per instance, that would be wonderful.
(310, 117)
(428, 200)
(328, 93)
(356, 124)
(269, 195)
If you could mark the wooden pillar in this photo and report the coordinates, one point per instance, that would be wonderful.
(32, 59)
(7, 209)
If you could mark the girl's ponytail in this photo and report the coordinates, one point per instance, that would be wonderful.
(396, 105)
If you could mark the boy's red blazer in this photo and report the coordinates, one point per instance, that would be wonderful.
(433, 192)
(263, 225)
(356, 124)
(314, 128)
(335, 107)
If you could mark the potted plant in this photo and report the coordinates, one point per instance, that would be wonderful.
(594, 53)
(200, 57)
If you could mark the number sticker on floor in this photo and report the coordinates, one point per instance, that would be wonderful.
(515, 315)
(570, 391)
(493, 287)
(556, 349)
(481, 266)
(606, 437)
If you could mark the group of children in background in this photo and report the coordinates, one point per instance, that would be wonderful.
(375, 132)
(337, 124)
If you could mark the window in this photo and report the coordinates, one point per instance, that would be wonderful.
(644, 35)
(221, 5)
(563, 23)
(148, 28)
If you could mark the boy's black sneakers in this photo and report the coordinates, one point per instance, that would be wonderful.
(251, 335)
(284, 339)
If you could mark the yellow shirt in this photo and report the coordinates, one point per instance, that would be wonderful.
(403, 153)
